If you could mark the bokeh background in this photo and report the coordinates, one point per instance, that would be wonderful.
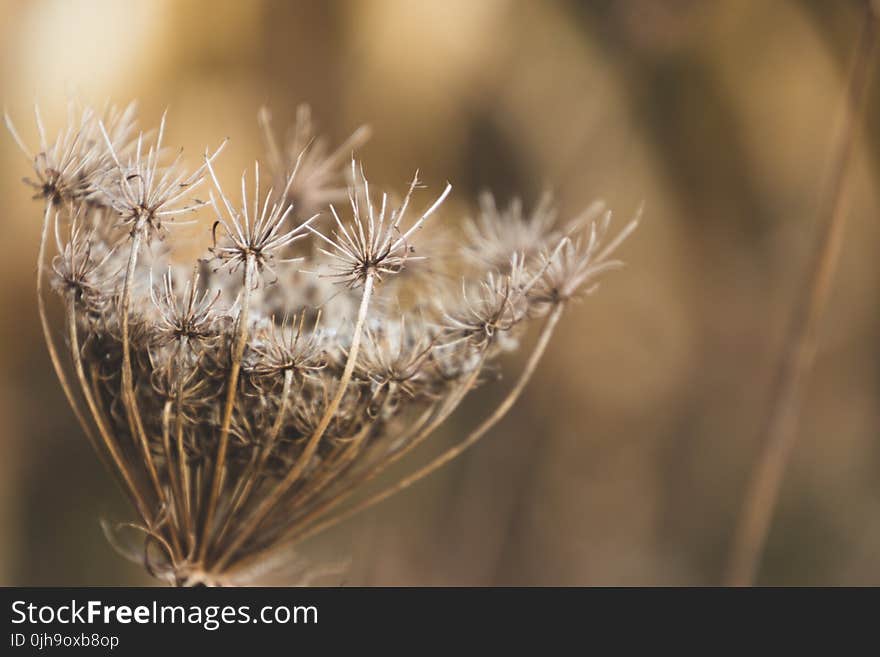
(626, 460)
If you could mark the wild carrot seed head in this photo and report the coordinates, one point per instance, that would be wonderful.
(256, 404)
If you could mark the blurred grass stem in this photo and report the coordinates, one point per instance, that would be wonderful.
(779, 432)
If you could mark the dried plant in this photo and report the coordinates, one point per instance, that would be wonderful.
(779, 430)
(246, 401)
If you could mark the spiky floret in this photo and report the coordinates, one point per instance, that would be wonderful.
(579, 260)
(256, 231)
(190, 318)
(145, 191)
(495, 234)
(73, 165)
(321, 179)
(290, 346)
(240, 410)
(81, 262)
(396, 357)
(492, 306)
(375, 242)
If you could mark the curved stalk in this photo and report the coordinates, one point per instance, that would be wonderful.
(183, 469)
(110, 445)
(50, 342)
(422, 433)
(176, 485)
(341, 459)
(472, 438)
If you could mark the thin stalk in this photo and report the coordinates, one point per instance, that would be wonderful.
(424, 432)
(176, 485)
(438, 462)
(198, 486)
(241, 337)
(417, 437)
(110, 445)
(341, 458)
(472, 438)
(269, 502)
(253, 475)
(47, 335)
(183, 468)
(128, 396)
(779, 433)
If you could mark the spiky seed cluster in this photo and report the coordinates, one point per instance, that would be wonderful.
(255, 233)
(74, 165)
(376, 241)
(286, 346)
(319, 180)
(143, 191)
(79, 261)
(185, 319)
(241, 400)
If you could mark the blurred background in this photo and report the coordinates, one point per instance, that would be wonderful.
(626, 460)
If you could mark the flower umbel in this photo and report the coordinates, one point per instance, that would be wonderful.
(241, 400)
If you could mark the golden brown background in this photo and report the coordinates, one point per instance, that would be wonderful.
(626, 460)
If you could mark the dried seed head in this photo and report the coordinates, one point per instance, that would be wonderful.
(191, 319)
(395, 356)
(201, 400)
(288, 347)
(375, 242)
(321, 178)
(491, 308)
(253, 232)
(143, 191)
(578, 261)
(182, 382)
(73, 165)
(81, 264)
(495, 235)
(312, 402)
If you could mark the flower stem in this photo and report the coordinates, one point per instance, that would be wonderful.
(231, 387)
(266, 506)
(110, 445)
(300, 534)
(47, 334)
(128, 396)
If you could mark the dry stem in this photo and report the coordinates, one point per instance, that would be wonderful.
(779, 433)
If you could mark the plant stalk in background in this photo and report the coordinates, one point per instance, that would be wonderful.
(779, 432)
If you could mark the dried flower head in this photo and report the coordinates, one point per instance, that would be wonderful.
(191, 319)
(577, 261)
(147, 191)
(243, 399)
(254, 234)
(72, 166)
(80, 265)
(492, 306)
(288, 346)
(395, 356)
(376, 242)
(321, 179)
